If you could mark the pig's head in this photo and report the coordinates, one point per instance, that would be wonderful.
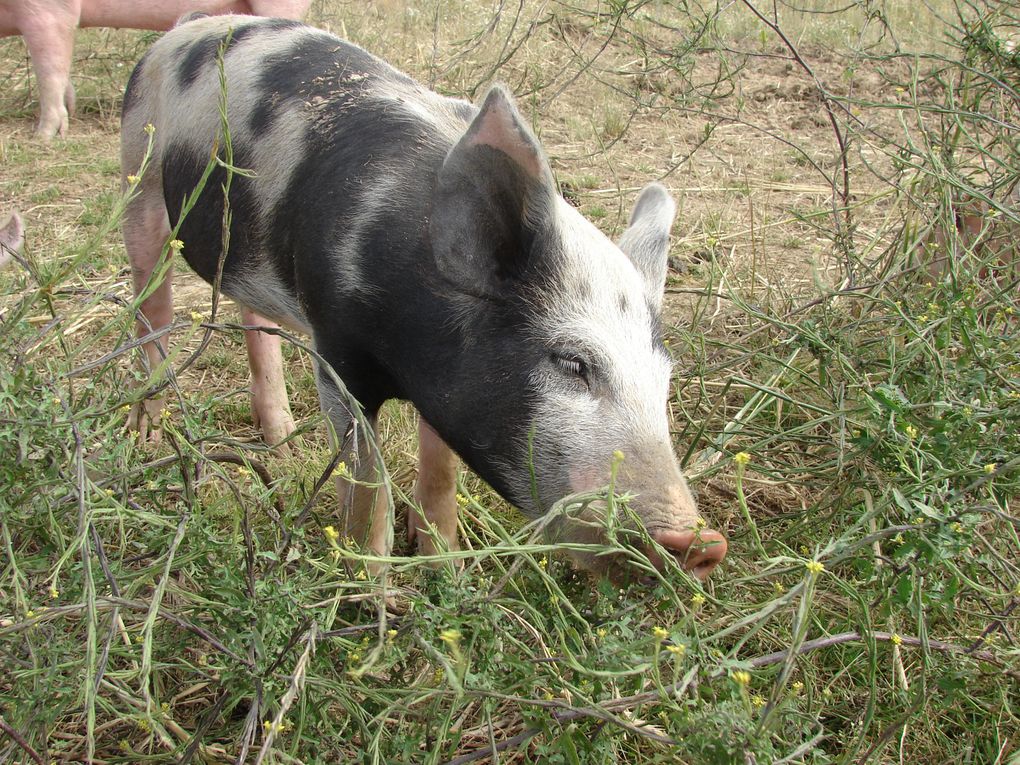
(12, 235)
(562, 328)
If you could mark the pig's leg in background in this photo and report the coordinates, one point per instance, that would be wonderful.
(282, 9)
(49, 34)
(270, 409)
(146, 229)
(436, 492)
(364, 500)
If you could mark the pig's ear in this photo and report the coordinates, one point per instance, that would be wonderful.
(494, 195)
(646, 240)
(12, 235)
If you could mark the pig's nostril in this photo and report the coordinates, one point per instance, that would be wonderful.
(697, 551)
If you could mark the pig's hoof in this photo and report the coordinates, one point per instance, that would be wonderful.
(144, 419)
(276, 429)
(418, 532)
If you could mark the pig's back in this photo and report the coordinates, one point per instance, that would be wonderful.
(336, 140)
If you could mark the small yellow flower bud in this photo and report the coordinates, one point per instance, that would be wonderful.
(618, 456)
(54, 592)
(742, 677)
(149, 128)
(451, 637)
(741, 458)
(698, 600)
(132, 179)
(677, 649)
(896, 640)
(660, 633)
(815, 566)
(990, 468)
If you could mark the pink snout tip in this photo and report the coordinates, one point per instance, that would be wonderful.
(697, 551)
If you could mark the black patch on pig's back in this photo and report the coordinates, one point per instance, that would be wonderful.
(194, 56)
(201, 230)
(318, 66)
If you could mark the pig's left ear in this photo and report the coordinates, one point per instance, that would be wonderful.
(646, 240)
(494, 195)
(12, 235)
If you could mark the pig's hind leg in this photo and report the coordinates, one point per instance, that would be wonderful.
(436, 493)
(270, 408)
(146, 230)
(49, 35)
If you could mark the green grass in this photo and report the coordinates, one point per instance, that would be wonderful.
(849, 418)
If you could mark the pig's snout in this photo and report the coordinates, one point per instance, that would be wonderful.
(697, 551)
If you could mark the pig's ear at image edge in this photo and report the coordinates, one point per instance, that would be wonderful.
(646, 240)
(12, 235)
(494, 193)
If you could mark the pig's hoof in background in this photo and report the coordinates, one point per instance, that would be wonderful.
(276, 427)
(144, 419)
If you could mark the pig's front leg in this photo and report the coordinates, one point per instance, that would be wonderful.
(49, 35)
(270, 408)
(363, 497)
(436, 493)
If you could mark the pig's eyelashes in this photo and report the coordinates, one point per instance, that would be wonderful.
(573, 366)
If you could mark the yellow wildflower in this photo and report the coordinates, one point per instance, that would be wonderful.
(741, 458)
(742, 677)
(660, 633)
(815, 566)
(450, 637)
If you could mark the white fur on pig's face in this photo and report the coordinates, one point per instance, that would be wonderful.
(599, 312)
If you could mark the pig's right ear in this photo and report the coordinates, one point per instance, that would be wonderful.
(12, 235)
(494, 195)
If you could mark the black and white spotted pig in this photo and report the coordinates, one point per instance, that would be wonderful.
(422, 243)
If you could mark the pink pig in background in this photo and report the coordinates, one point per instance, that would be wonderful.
(48, 28)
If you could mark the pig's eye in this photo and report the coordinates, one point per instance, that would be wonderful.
(573, 366)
